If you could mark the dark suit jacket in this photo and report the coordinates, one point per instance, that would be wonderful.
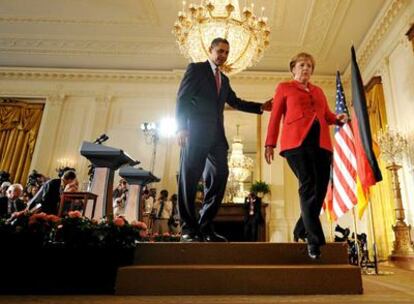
(4, 204)
(200, 109)
(48, 196)
(257, 209)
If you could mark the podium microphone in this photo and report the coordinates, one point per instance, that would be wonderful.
(101, 139)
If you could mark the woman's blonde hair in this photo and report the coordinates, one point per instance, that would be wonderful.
(301, 56)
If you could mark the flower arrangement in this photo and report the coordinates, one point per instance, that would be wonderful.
(72, 231)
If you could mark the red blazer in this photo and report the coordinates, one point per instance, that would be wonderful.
(299, 109)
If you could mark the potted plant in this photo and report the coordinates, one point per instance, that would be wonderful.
(260, 188)
(200, 192)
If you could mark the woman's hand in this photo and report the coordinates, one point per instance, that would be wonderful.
(343, 117)
(269, 154)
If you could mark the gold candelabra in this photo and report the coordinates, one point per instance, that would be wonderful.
(393, 145)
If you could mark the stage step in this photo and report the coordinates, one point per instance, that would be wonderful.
(236, 253)
(237, 269)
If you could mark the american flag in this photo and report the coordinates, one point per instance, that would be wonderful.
(344, 174)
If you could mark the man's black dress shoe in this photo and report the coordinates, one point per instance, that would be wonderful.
(314, 251)
(190, 238)
(213, 237)
(301, 238)
(296, 239)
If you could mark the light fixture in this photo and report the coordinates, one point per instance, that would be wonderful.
(240, 167)
(167, 127)
(150, 131)
(247, 33)
(153, 131)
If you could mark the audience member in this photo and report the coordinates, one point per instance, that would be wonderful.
(120, 195)
(148, 203)
(162, 210)
(3, 188)
(48, 195)
(174, 221)
(252, 217)
(12, 203)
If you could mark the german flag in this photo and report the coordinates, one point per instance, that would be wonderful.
(368, 170)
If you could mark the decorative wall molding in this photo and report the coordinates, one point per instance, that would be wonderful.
(44, 74)
(86, 75)
(70, 46)
(378, 31)
(50, 20)
(146, 14)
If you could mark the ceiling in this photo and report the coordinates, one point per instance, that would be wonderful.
(136, 34)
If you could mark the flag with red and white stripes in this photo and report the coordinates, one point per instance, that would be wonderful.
(342, 197)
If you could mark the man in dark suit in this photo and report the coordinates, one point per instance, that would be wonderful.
(11, 203)
(203, 92)
(252, 217)
(48, 195)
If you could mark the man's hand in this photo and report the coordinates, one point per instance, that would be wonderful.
(182, 137)
(267, 105)
(269, 154)
(343, 117)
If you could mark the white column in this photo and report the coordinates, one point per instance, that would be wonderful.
(44, 154)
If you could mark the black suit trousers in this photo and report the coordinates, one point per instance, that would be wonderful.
(211, 163)
(311, 166)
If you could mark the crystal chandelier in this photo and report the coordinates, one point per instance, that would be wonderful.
(240, 167)
(198, 25)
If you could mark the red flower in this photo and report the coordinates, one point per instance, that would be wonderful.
(119, 221)
(53, 218)
(139, 225)
(143, 233)
(74, 214)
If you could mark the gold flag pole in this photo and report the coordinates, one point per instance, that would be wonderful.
(374, 243)
(356, 237)
(331, 230)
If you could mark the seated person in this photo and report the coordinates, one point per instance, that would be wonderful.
(48, 195)
(3, 188)
(12, 203)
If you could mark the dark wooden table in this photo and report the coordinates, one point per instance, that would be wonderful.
(83, 197)
(230, 221)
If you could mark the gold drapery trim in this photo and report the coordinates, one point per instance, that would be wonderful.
(381, 198)
(19, 127)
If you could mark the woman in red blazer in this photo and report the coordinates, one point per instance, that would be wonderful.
(305, 143)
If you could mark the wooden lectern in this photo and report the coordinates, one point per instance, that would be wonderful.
(136, 178)
(105, 160)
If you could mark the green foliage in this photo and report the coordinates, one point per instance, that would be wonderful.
(200, 187)
(260, 186)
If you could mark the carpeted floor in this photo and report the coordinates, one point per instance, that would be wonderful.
(392, 286)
